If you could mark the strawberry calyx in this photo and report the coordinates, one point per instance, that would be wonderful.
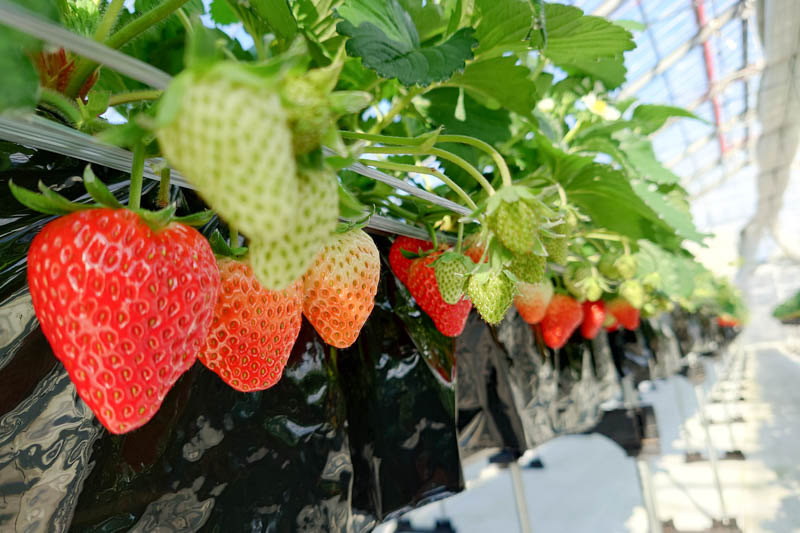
(49, 202)
(221, 248)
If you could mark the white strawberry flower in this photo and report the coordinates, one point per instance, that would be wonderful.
(600, 107)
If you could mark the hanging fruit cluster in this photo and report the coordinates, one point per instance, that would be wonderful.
(539, 194)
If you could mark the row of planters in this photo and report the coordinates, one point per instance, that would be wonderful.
(244, 355)
(345, 439)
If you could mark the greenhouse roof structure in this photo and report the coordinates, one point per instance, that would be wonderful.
(708, 56)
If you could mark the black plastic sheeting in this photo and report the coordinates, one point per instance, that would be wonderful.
(345, 439)
(515, 393)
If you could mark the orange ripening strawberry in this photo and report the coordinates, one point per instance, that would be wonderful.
(474, 251)
(563, 316)
(125, 308)
(594, 314)
(254, 329)
(449, 319)
(400, 263)
(626, 314)
(532, 300)
(339, 288)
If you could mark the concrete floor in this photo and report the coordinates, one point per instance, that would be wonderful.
(589, 485)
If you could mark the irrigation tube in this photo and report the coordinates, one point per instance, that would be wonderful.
(43, 134)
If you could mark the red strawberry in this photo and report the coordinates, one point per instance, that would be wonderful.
(563, 316)
(449, 319)
(532, 300)
(594, 314)
(339, 288)
(125, 308)
(727, 321)
(626, 314)
(253, 330)
(398, 262)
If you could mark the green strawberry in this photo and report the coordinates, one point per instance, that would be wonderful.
(277, 263)
(608, 267)
(529, 268)
(626, 266)
(452, 273)
(557, 247)
(514, 223)
(492, 293)
(575, 276)
(633, 291)
(226, 131)
(306, 101)
(652, 281)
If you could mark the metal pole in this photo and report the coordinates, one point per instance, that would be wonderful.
(712, 453)
(684, 430)
(648, 495)
(519, 497)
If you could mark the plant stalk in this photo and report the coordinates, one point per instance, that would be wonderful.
(163, 188)
(502, 167)
(84, 67)
(60, 103)
(108, 20)
(400, 167)
(137, 176)
(134, 96)
(398, 106)
(438, 152)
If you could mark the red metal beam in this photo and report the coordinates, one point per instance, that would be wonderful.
(700, 13)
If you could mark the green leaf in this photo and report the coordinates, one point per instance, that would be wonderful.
(640, 155)
(486, 124)
(500, 79)
(503, 24)
(20, 79)
(610, 70)
(98, 190)
(604, 194)
(222, 13)
(201, 218)
(592, 45)
(221, 247)
(650, 118)
(384, 36)
(676, 279)
(631, 25)
(428, 17)
(50, 204)
(678, 219)
(349, 206)
(261, 17)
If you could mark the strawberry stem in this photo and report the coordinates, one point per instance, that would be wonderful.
(85, 67)
(438, 152)
(233, 233)
(163, 188)
(460, 237)
(108, 20)
(133, 96)
(400, 167)
(137, 176)
(398, 106)
(502, 166)
(54, 100)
